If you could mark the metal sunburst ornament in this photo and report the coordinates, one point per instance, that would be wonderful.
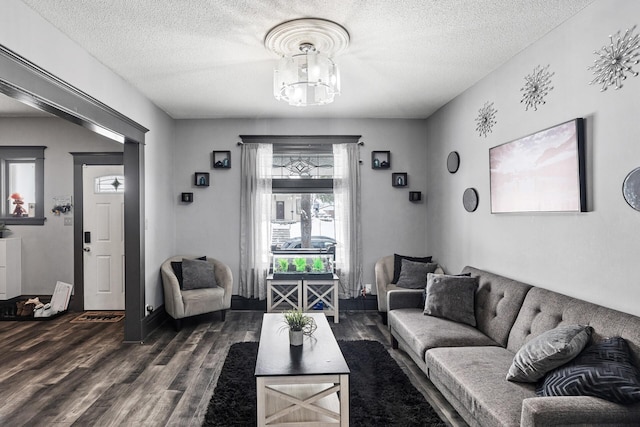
(616, 60)
(537, 86)
(486, 119)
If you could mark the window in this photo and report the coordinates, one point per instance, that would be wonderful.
(302, 214)
(109, 184)
(22, 175)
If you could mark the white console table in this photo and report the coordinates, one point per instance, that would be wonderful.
(10, 268)
(304, 294)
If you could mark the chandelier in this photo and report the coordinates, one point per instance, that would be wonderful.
(306, 74)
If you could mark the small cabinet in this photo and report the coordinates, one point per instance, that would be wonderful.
(10, 268)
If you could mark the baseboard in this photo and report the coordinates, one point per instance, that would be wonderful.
(154, 320)
(367, 303)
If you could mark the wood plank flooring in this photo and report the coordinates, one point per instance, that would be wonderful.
(57, 373)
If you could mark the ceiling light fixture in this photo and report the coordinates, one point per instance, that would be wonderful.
(306, 74)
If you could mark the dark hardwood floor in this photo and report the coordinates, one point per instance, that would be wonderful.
(57, 373)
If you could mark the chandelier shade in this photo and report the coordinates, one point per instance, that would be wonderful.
(305, 74)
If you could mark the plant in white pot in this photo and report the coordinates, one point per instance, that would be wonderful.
(299, 325)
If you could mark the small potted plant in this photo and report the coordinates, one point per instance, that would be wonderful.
(299, 324)
(3, 229)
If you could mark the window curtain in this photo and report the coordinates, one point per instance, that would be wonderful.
(255, 219)
(346, 192)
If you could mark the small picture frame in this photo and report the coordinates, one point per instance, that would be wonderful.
(201, 179)
(221, 159)
(399, 179)
(186, 197)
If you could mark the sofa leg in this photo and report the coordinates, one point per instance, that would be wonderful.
(177, 324)
(223, 315)
(383, 315)
(394, 343)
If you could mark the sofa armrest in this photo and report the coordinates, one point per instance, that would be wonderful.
(576, 410)
(404, 298)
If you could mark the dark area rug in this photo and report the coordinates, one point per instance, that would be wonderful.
(381, 394)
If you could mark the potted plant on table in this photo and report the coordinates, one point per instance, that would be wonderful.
(299, 324)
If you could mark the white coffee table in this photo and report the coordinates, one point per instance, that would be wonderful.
(305, 384)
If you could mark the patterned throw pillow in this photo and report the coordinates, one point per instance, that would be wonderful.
(414, 274)
(397, 264)
(603, 370)
(451, 297)
(547, 351)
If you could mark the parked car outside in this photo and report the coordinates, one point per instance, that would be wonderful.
(318, 242)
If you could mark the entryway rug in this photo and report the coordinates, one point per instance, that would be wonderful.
(381, 394)
(99, 317)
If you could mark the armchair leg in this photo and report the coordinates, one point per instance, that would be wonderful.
(178, 324)
(383, 315)
(223, 315)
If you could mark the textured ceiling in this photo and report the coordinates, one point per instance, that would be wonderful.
(206, 59)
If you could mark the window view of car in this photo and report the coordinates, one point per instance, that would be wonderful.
(318, 242)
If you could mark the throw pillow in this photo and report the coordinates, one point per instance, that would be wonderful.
(603, 370)
(547, 351)
(177, 269)
(397, 264)
(451, 297)
(198, 274)
(414, 274)
(424, 294)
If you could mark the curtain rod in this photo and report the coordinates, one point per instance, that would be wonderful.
(302, 139)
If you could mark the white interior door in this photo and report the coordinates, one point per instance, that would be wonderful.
(103, 237)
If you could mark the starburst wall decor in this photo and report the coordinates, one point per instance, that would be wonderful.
(537, 86)
(486, 119)
(616, 60)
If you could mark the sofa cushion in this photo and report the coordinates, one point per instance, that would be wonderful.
(397, 264)
(603, 370)
(413, 275)
(198, 274)
(422, 333)
(547, 351)
(451, 297)
(475, 377)
(498, 302)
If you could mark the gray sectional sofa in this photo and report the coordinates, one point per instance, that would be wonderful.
(469, 364)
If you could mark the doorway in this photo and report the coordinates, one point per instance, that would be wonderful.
(103, 237)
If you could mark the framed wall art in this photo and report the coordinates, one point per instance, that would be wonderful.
(542, 172)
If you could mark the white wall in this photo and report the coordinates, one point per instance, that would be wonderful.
(47, 251)
(30, 36)
(590, 255)
(211, 224)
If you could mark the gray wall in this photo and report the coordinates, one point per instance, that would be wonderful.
(590, 255)
(29, 35)
(211, 224)
(47, 250)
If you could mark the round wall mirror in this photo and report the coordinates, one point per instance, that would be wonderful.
(470, 199)
(453, 162)
(631, 189)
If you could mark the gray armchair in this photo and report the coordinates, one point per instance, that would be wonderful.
(181, 303)
(384, 276)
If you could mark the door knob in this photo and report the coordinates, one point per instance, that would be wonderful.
(86, 249)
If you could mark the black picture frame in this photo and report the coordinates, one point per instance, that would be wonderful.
(201, 179)
(221, 159)
(380, 159)
(186, 197)
(399, 179)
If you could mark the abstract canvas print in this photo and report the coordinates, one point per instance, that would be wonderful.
(542, 172)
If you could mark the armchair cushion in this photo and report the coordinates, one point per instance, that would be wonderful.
(198, 274)
(177, 269)
(397, 264)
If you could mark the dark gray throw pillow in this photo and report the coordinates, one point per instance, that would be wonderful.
(424, 294)
(603, 370)
(197, 274)
(177, 269)
(547, 351)
(397, 264)
(414, 274)
(451, 297)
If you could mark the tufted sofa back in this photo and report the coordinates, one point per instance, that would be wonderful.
(498, 301)
(543, 310)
